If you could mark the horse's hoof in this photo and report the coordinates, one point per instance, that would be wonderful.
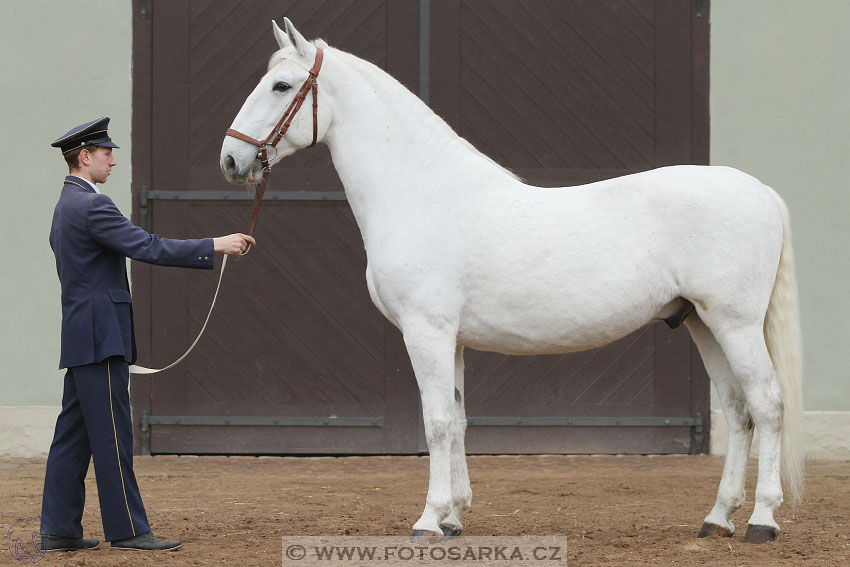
(760, 534)
(709, 530)
(426, 536)
(451, 531)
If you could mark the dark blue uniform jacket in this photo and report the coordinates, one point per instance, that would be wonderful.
(91, 240)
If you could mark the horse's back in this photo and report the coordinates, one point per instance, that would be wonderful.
(573, 268)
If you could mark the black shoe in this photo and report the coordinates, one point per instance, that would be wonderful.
(55, 544)
(145, 542)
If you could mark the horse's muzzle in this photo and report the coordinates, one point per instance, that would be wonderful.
(237, 175)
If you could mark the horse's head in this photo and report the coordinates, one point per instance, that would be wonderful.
(288, 70)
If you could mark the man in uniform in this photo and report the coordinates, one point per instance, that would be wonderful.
(91, 240)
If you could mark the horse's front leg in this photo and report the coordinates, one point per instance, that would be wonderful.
(431, 346)
(461, 490)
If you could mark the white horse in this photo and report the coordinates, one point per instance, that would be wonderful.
(462, 254)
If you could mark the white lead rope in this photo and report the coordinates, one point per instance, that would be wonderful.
(134, 369)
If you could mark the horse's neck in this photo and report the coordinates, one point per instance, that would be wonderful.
(382, 136)
(390, 149)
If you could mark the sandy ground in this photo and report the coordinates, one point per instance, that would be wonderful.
(613, 510)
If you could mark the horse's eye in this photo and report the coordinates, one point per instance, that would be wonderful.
(281, 87)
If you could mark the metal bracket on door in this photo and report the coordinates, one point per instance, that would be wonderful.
(694, 422)
(240, 420)
(147, 195)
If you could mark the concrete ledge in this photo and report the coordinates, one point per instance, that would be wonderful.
(827, 434)
(27, 431)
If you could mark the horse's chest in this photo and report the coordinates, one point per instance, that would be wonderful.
(415, 283)
(378, 291)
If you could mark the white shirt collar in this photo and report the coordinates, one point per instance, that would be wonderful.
(90, 184)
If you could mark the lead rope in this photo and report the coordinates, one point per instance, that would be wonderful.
(311, 84)
(135, 369)
(261, 188)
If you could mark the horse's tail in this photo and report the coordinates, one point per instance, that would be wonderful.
(785, 345)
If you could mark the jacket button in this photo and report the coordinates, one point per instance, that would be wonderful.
(199, 258)
(206, 258)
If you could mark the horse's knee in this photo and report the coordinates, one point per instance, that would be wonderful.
(439, 428)
(460, 426)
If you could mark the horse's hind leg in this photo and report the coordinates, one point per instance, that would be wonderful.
(750, 362)
(731, 492)
(432, 350)
(461, 490)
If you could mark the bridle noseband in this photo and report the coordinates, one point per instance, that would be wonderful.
(311, 83)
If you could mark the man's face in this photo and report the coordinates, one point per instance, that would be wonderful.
(100, 164)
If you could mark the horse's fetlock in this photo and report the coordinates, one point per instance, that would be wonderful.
(770, 497)
(735, 501)
(441, 505)
(730, 498)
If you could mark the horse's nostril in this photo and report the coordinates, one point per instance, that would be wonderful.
(230, 163)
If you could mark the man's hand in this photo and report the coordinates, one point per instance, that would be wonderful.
(233, 244)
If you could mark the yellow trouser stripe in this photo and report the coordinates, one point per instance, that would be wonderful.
(117, 454)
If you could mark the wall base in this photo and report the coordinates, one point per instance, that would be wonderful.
(827, 434)
(27, 431)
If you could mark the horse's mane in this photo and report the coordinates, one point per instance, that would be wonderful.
(426, 114)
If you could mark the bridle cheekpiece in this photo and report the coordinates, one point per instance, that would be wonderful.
(311, 83)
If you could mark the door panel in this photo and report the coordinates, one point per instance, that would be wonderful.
(296, 359)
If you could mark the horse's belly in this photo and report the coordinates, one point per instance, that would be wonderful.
(556, 326)
(509, 342)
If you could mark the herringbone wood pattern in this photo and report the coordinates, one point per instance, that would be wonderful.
(561, 92)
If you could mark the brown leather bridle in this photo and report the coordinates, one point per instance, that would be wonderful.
(311, 83)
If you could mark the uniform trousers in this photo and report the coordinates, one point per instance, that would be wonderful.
(94, 424)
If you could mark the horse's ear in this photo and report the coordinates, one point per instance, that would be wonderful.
(301, 44)
(280, 36)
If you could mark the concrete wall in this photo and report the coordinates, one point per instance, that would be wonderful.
(780, 111)
(64, 63)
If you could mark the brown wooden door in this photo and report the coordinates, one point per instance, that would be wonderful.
(294, 337)
(564, 93)
(296, 359)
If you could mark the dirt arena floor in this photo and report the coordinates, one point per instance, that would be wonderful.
(613, 510)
